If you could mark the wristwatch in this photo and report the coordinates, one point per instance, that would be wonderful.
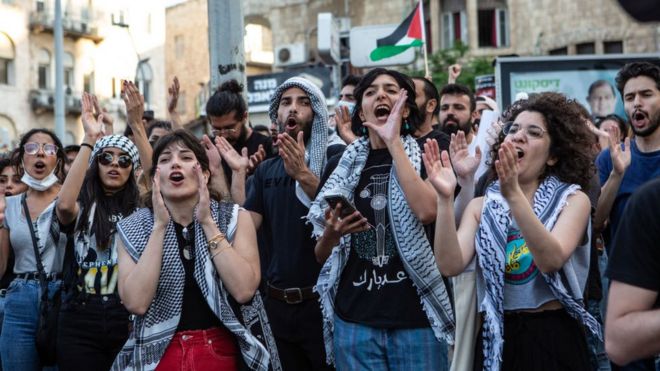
(214, 242)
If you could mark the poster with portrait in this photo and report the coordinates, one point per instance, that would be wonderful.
(590, 79)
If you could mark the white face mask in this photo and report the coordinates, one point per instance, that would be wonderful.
(40, 185)
(350, 105)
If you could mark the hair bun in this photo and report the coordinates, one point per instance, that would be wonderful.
(231, 86)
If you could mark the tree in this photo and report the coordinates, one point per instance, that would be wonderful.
(440, 61)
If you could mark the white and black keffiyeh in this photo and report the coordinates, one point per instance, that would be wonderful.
(153, 331)
(117, 141)
(490, 245)
(411, 242)
(318, 143)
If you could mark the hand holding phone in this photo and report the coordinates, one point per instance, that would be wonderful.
(347, 207)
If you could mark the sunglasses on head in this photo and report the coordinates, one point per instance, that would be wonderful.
(32, 148)
(106, 158)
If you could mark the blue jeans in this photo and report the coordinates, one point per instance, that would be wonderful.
(359, 347)
(19, 328)
(597, 355)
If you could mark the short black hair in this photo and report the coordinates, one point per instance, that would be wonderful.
(405, 82)
(351, 80)
(459, 89)
(431, 92)
(159, 124)
(4, 163)
(228, 98)
(128, 131)
(620, 121)
(71, 148)
(597, 84)
(636, 69)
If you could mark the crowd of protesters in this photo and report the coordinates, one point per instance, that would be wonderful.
(378, 237)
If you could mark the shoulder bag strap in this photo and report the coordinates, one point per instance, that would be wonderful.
(37, 255)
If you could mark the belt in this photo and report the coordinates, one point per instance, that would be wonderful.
(292, 295)
(35, 276)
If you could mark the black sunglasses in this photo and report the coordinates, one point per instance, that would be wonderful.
(106, 158)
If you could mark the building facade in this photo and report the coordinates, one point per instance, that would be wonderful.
(104, 43)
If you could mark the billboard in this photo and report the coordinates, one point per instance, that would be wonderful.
(570, 75)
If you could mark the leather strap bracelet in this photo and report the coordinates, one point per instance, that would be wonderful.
(87, 145)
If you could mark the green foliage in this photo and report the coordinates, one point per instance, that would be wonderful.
(440, 61)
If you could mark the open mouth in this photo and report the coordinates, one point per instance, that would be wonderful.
(39, 165)
(8, 194)
(113, 173)
(291, 123)
(520, 153)
(639, 118)
(176, 177)
(382, 112)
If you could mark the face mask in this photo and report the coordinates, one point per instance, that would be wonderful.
(349, 105)
(39, 185)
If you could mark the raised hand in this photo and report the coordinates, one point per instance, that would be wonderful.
(161, 214)
(439, 169)
(390, 131)
(293, 154)
(494, 132)
(464, 164)
(256, 159)
(235, 161)
(620, 157)
(173, 95)
(203, 208)
(343, 124)
(92, 125)
(507, 170)
(134, 102)
(454, 72)
(215, 161)
(106, 118)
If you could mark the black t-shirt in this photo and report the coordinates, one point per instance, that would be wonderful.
(195, 311)
(286, 237)
(252, 143)
(635, 258)
(374, 277)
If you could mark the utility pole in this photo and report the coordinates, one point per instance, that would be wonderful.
(59, 73)
(226, 51)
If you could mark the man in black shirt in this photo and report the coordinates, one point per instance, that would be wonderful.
(427, 99)
(278, 197)
(633, 309)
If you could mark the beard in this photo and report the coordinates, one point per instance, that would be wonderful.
(242, 138)
(306, 129)
(452, 128)
(654, 123)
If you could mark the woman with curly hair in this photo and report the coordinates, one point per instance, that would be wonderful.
(530, 237)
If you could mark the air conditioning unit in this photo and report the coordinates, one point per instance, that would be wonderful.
(41, 100)
(290, 55)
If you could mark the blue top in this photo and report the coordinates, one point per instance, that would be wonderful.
(644, 166)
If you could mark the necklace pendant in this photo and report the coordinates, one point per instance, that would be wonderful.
(187, 252)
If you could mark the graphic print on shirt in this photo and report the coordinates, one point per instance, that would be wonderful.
(377, 244)
(520, 267)
(97, 268)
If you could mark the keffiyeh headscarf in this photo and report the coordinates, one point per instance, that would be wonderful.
(411, 242)
(490, 242)
(315, 149)
(116, 141)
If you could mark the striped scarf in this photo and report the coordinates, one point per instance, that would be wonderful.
(153, 331)
(411, 242)
(490, 245)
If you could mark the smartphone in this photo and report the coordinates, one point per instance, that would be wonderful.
(347, 207)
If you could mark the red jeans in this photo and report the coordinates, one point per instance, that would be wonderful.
(212, 349)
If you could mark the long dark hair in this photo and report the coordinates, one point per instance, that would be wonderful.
(61, 156)
(414, 118)
(122, 202)
(186, 139)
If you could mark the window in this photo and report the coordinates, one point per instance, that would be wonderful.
(143, 78)
(41, 6)
(43, 58)
(492, 27)
(67, 61)
(178, 46)
(585, 48)
(613, 47)
(559, 51)
(454, 28)
(6, 59)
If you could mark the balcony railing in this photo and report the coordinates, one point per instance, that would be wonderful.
(43, 100)
(43, 20)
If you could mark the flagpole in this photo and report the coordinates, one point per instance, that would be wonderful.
(426, 57)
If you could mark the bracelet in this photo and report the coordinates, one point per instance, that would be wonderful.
(87, 145)
(220, 251)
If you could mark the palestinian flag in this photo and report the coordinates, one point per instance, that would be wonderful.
(409, 33)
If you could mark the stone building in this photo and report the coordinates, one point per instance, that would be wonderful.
(104, 43)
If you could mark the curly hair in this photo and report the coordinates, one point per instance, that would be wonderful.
(570, 139)
(636, 69)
